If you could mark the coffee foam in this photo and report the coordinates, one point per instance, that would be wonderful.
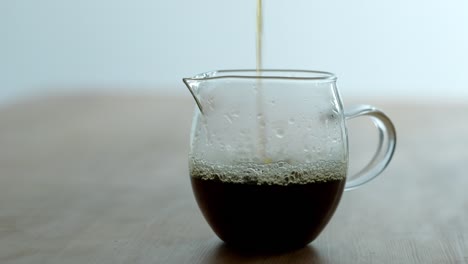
(274, 173)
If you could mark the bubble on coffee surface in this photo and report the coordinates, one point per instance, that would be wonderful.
(274, 173)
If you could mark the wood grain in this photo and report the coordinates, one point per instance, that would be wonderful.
(103, 179)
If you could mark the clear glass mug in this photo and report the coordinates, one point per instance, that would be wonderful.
(269, 154)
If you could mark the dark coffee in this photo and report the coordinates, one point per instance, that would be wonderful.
(252, 211)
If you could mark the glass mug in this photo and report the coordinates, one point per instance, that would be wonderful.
(268, 154)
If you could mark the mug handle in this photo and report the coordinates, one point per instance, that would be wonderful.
(385, 149)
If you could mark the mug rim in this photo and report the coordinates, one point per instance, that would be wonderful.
(266, 74)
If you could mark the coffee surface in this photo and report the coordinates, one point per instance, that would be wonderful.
(273, 173)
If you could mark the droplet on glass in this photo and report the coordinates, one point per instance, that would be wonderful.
(228, 118)
(279, 133)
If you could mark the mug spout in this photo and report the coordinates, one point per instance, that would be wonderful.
(192, 85)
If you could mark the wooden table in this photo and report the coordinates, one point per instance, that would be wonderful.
(104, 179)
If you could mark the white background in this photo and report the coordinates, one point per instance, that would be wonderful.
(378, 48)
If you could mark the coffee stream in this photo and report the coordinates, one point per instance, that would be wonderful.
(261, 133)
(259, 35)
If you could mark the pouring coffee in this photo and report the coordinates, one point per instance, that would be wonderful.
(272, 180)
